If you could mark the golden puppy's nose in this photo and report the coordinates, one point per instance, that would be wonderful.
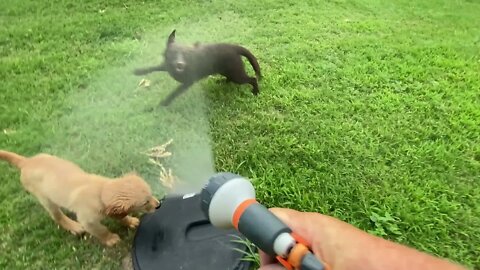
(157, 203)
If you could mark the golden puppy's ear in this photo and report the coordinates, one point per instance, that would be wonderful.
(117, 202)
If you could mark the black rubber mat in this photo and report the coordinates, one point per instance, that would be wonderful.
(179, 236)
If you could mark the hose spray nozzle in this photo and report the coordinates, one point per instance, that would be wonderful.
(228, 200)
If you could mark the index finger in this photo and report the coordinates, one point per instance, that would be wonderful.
(265, 259)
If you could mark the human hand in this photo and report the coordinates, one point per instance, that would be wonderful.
(344, 247)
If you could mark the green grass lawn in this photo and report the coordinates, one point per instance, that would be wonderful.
(369, 111)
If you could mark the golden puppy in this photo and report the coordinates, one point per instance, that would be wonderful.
(60, 183)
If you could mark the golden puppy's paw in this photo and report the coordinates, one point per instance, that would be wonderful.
(76, 228)
(111, 240)
(133, 222)
(73, 227)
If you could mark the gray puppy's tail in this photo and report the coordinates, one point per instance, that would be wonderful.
(251, 58)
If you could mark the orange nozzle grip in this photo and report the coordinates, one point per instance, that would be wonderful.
(239, 211)
(299, 251)
(283, 262)
(296, 255)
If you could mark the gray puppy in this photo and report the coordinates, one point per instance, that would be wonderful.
(188, 65)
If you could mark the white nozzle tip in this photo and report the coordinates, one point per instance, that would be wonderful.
(226, 200)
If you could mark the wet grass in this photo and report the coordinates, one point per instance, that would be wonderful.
(368, 111)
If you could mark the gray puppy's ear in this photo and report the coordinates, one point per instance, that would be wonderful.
(171, 38)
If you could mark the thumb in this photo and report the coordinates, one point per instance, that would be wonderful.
(304, 224)
(272, 267)
(301, 223)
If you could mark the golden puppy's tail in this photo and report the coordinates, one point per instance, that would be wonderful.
(12, 158)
